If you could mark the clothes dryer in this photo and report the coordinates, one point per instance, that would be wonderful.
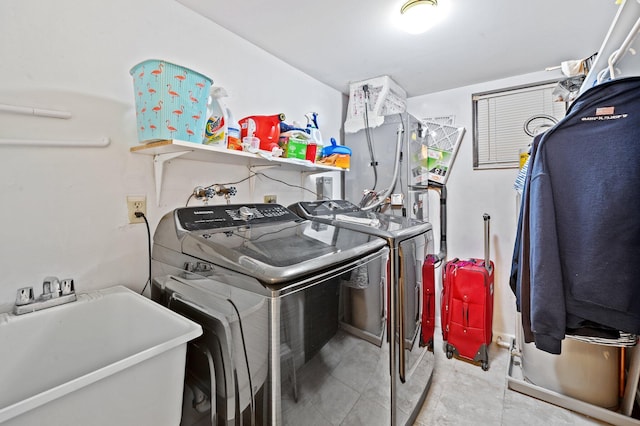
(409, 241)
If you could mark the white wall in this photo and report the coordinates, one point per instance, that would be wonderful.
(474, 192)
(63, 209)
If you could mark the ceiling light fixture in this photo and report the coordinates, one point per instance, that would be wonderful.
(411, 3)
(417, 16)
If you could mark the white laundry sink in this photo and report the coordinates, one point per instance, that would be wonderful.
(113, 357)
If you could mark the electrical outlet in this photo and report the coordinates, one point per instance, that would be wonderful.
(136, 203)
(270, 199)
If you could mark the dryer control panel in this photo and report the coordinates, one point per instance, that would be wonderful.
(309, 209)
(225, 216)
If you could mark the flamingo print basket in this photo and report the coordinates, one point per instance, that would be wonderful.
(171, 101)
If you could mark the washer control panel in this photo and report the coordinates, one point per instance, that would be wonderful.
(224, 216)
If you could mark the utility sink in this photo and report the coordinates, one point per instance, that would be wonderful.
(113, 357)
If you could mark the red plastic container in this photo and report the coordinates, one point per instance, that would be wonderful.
(311, 151)
(264, 127)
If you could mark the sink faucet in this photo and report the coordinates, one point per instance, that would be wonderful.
(54, 292)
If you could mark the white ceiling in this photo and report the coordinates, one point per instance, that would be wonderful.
(342, 41)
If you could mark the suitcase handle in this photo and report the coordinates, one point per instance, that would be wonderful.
(487, 251)
(465, 315)
(428, 303)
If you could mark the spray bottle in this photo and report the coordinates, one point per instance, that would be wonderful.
(215, 132)
(316, 137)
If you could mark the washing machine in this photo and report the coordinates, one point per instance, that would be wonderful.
(409, 242)
(266, 285)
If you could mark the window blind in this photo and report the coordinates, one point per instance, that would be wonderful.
(499, 119)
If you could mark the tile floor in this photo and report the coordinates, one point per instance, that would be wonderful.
(347, 383)
(462, 394)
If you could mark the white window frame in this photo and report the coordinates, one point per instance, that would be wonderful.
(499, 117)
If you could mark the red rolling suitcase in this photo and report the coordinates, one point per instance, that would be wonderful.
(428, 301)
(467, 306)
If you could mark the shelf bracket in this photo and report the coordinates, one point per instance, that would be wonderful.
(262, 166)
(158, 169)
(307, 173)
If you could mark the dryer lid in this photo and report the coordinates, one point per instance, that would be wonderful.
(344, 214)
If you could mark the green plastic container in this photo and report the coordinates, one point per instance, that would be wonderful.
(296, 148)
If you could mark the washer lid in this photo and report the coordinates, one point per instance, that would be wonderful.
(276, 254)
(267, 242)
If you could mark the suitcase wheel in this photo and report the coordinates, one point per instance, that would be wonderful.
(449, 353)
(485, 365)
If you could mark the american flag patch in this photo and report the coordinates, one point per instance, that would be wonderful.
(605, 111)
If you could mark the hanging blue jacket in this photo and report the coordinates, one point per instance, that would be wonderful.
(585, 217)
(520, 269)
